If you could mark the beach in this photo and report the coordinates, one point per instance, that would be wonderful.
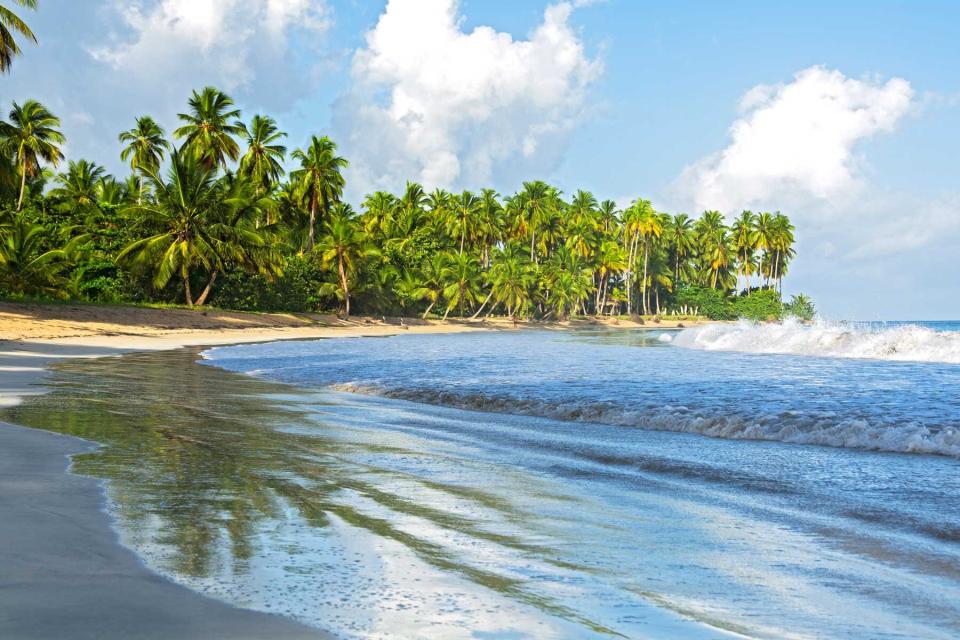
(64, 570)
(446, 479)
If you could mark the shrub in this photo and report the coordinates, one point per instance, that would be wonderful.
(763, 305)
(709, 302)
(801, 307)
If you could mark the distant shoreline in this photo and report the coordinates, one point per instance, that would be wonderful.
(121, 326)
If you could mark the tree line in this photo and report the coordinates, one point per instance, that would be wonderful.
(221, 211)
(212, 214)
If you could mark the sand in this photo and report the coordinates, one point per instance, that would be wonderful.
(63, 573)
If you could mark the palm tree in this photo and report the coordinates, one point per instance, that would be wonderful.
(209, 129)
(9, 23)
(343, 244)
(31, 135)
(320, 179)
(745, 240)
(25, 268)
(765, 241)
(648, 226)
(462, 277)
(462, 215)
(263, 161)
(203, 224)
(682, 240)
(610, 261)
(537, 199)
(511, 278)
(145, 148)
(80, 184)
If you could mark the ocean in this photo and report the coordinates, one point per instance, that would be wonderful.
(724, 481)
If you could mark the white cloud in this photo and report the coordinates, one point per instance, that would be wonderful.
(433, 103)
(795, 142)
(223, 41)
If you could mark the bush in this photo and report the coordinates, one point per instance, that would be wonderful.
(800, 307)
(296, 290)
(708, 302)
(763, 305)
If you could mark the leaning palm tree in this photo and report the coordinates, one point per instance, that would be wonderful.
(145, 148)
(32, 135)
(263, 161)
(319, 180)
(9, 23)
(209, 128)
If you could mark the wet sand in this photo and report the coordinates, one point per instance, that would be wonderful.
(64, 575)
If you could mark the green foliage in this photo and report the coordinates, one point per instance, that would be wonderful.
(763, 305)
(217, 220)
(297, 290)
(800, 307)
(713, 304)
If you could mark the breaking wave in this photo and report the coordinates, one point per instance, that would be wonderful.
(907, 342)
(825, 429)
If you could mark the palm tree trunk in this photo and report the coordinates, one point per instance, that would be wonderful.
(186, 289)
(646, 264)
(206, 292)
(345, 285)
(480, 310)
(23, 184)
(313, 224)
(429, 309)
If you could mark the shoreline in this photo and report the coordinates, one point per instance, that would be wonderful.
(64, 565)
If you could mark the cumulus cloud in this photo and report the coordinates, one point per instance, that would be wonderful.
(434, 103)
(223, 41)
(796, 141)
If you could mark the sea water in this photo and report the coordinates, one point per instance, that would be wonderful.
(641, 484)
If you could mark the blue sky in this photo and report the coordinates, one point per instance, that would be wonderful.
(851, 122)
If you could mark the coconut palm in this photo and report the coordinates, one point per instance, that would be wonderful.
(745, 241)
(145, 148)
(25, 267)
(79, 185)
(319, 180)
(11, 23)
(204, 226)
(511, 277)
(462, 216)
(209, 129)
(343, 244)
(31, 135)
(262, 163)
(536, 201)
(611, 261)
(462, 279)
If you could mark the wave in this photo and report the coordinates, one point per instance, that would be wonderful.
(825, 429)
(907, 343)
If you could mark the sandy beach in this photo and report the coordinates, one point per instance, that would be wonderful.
(63, 568)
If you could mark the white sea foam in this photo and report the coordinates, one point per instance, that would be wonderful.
(826, 429)
(828, 339)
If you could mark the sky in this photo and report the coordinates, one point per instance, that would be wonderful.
(844, 116)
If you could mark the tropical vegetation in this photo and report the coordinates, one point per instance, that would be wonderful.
(222, 212)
